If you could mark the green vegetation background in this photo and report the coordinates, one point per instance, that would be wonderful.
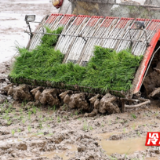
(105, 70)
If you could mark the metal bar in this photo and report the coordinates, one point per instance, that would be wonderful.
(85, 36)
(137, 105)
(113, 3)
(35, 22)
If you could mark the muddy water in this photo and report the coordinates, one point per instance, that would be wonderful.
(128, 146)
(63, 155)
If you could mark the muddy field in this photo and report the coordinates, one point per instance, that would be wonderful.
(28, 132)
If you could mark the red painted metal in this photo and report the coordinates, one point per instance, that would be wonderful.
(123, 22)
(53, 17)
(79, 19)
(66, 18)
(145, 60)
(93, 20)
(107, 22)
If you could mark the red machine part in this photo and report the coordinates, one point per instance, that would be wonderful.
(147, 56)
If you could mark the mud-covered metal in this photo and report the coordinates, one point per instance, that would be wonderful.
(113, 32)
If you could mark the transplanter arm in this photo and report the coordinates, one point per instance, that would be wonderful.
(30, 18)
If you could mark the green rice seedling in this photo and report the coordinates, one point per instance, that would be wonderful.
(39, 133)
(138, 133)
(9, 122)
(40, 116)
(45, 119)
(58, 119)
(34, 110)
(91, 128)
(13, 132)
(29, 128)
(54, 108)
(134, 126)
(85, 126)
(102, 125)
(76, 113)
(113, 158)
(156, 114)
(29, 115)
(134, 116)
(40, 125)
(21, 117)
(7, 111)
(23, 121)
(23, 103)
(109, 69)
(19, 130)
(50, 134)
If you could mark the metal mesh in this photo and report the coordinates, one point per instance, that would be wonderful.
(82, 33)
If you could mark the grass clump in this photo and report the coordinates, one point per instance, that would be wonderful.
(106, 70)
(110, 70)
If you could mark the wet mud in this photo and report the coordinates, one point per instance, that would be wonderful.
(49, 133)
(83, 102)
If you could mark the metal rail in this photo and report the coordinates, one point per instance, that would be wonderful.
(88, 36)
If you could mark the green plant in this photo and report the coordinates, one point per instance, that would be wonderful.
(134, 116)
(29, 128)
(58, 119)
(113, 158)
(34, 110)
(134, 127)
(54, 108)
(85, 126)
(39, 133)
(23, 103)
(109, 69)
(13, 132)
(138, 133)
(45, 119)
(23, 121)
(91, 128)
(50, 134)
(29, 115)
(40, 125)
(9, 122)
(102, 125)
(76, 113)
